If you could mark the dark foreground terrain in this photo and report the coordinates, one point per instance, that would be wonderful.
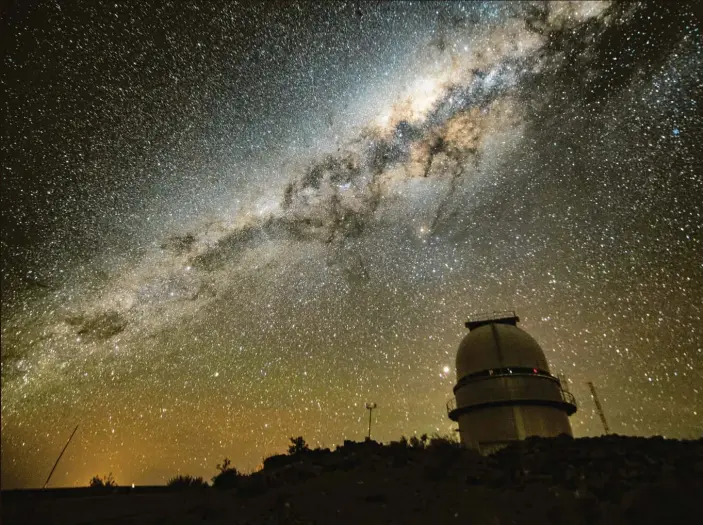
(604, 480)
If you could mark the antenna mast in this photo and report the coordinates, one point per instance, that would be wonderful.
(370, 407)
(599, 408)
(59, 458)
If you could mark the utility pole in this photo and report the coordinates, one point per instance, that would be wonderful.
(599, 408)
(59, 458)
(370, 407)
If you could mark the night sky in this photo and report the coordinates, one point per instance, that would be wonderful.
(225, 224)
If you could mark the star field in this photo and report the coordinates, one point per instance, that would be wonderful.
(225, 225)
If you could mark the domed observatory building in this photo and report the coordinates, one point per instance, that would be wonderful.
(505, 391)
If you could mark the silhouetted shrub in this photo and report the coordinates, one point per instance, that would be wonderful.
(96, 482)
(446, 458)
(228, 477)
(446, 442)
(297, 445)
(402, 443)
(319, 452)
(399, 452)
(418, 442)
(187, 482)
(354, 447)
(277, 461)
(252, 485)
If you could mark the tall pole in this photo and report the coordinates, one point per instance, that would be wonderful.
(59, 458)
(370, 407)
(599, 408)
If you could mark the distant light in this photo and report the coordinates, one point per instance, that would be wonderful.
(445, 369)
(676, 132)
(534, 370)
(132, 485)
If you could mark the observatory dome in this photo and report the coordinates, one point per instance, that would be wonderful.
(498, 346)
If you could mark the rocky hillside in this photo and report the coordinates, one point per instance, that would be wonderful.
(606, 480)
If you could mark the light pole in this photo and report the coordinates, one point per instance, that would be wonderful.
(370, 407)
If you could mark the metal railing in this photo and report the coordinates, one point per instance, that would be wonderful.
(564, 396)
(451, 405)
(568, 397)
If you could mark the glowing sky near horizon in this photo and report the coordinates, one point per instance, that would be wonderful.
(225, 225)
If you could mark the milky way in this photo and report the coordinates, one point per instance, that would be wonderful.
(224, 226)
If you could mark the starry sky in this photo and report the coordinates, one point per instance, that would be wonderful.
(225, 224)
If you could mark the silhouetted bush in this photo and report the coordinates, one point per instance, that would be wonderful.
(277, 461)
(362, 447)
(420, 442)
(319, 452)
(187, 482)
(297, 445)
(315, 455)
(108, 482)
(399, 452)
(444, 457)
(446, 442)
(402, 443)
(252, 485)
(229, 477)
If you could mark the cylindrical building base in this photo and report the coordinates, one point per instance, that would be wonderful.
(489, 429)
